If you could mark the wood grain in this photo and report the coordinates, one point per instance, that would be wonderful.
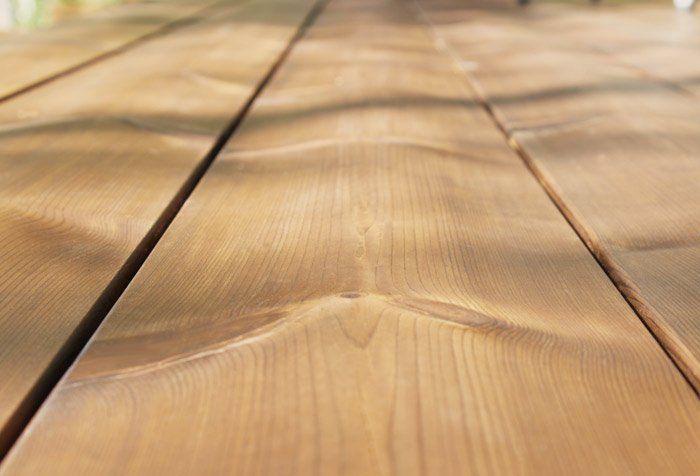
(90, 165)
(29, 58)
(616, 149)
(368, 281)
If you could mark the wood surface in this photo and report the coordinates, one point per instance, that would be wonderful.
(661, 43)
(29, 58)
(90, 166)
(368, 281)
(616, 149)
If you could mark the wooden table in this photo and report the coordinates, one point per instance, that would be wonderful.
(352, 236)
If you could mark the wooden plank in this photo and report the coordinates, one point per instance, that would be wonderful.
(33, 57)
(657, 40)
(92, 165)
(368, 281)
(617, 150)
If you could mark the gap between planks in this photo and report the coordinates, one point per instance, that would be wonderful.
(614, 273)
(82, 334)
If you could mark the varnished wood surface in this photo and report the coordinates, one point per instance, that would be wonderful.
(368, 281)
(28, 58)
(618, 151)
(90, 164)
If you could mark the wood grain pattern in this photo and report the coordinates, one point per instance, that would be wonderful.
(617, 150)
(90, 164)
(30, 58)
(368, 281)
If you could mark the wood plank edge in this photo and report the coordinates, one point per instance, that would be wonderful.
(81, 336)
(665, 337)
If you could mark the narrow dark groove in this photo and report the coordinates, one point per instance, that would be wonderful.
(606, 264)
(160, 31)
(615, 275)
(81, 336)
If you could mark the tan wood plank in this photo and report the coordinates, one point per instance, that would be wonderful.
(617, 150)
(90, 166)
(29, 58)
(661, 42)
(368, 281)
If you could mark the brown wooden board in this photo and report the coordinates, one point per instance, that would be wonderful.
(92, 165)
(368, 281)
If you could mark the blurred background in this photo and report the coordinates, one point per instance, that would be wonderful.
(31, 14)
